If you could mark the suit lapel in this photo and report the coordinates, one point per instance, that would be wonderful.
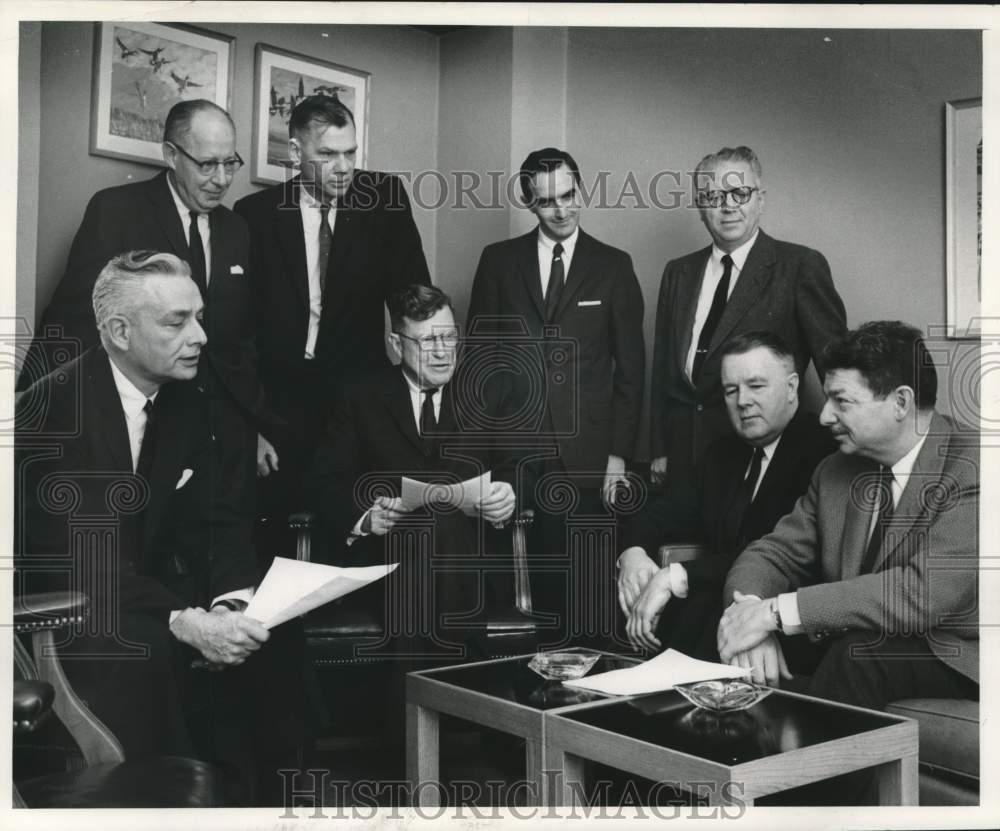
(689, 289)
(114, 430)
(170, 435)
(858, 516)
(396, 395)
(165, 214)
(755, 276)
(781, 468)
(527, 267)
(348, 226)
(580, 270)
(291, 239)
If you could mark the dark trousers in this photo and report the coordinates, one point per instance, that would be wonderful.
(690, 624)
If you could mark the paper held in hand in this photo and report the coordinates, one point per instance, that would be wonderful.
(657, 674)
(464, 495)
(291, 588)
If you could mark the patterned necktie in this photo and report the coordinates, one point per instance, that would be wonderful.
(554, 289)
(147, 448)
(325, 245)
(884, 506)
(714, 315)
(428, 421)
(197, 256)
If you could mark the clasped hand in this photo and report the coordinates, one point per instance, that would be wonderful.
(223, 637)
(747, 638)
(498, 504)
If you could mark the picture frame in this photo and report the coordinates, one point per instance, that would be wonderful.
(134, 84)
(963, 216)
(281, 78)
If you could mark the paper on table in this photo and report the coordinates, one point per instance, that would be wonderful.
(462, 495)
(663, 672)
(292, 587)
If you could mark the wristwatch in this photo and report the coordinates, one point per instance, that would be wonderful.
(231, 603)
(776, 615)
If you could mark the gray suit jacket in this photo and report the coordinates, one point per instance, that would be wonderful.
(924, 583)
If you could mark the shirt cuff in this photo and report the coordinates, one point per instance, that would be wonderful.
(678, 580)
(243, 595)
(788, 608)
(176, 613)
(356, 530)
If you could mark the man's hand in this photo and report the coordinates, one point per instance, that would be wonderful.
(498, 504)
(746, 623)
(635, 569)
(267, 457)
(646, 612)
(658, 470)
(223, 637)
(385, 513)
(613, 477)
(766, 660)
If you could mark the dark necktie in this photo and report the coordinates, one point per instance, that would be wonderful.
(737, 515)
(198, 272)
(325, 245)
(428, 422)
(148, 447)
(714, 315)
(554, 289)
(884, 506)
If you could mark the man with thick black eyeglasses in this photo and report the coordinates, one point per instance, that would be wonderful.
(744, 281)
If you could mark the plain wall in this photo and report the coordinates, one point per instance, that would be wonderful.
(403, 63)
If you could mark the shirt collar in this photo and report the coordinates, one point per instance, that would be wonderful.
(414, 389)
(311, 201)
(182, 209)
(568, 244)
(739, 255)
(769, 448)
(902, 469)
(133, 399)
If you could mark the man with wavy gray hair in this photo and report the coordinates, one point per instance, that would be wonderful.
(133, 442)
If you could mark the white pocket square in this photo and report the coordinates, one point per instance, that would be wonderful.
(236, 269)
(187, 474)
(588, 302)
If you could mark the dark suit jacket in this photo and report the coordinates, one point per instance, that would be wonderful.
(694, 511)
(376, 249)
(783, 288)
(925, 582)
(75, 472)
(143, 216)
(591, 367)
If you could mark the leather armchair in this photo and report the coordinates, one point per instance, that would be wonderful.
(948, 728)
(108, 780)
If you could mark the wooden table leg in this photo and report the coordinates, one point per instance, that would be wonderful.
(898, 781)
(422, 754)
(534, 766)
(564, 776)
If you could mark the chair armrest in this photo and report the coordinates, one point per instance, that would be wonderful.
(303, 523)
(49, 610)
(32, 703)
(683, 552)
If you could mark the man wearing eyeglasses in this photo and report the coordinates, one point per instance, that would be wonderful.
(744, 281)
(178, 211)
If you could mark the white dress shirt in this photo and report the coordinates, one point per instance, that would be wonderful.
(545, 250)
(788, 604)
(133, 403)
(709, 283)
(204, 228)
(310, 210)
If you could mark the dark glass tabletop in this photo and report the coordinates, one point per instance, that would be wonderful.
(775, 725)
(515, 682)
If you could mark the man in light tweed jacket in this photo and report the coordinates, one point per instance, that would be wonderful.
(886, 591)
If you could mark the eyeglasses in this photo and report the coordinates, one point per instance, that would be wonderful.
(717, 198)
(449, 340)
(207, 168)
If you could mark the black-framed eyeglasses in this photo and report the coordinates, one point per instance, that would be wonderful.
(717, 198)
(207, 168)
(449, 340)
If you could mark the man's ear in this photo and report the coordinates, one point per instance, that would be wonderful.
(397, 345)
(119, 331)
(903, 400)
(170, 155)
(294, 151)
(793, 384)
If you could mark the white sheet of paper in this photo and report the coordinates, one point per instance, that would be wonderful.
(463, 495)
(291, 588)
(663, 672)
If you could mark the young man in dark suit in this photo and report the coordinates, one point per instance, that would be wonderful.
(572, 307)
(744, 281)
(743, 485)
(327, 248)
(123, 495)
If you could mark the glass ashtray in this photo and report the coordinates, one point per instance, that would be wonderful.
(723, 696)
(563, 666)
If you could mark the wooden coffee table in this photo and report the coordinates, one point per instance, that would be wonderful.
(504, 694)
(782, 742)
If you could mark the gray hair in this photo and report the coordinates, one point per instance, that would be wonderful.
(729, 154)
(114, 291)
(178, 124)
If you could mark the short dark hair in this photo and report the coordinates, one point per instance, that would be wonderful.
(888, 354)
(757, 339)
(416, 302)
(543, 161)
(178, 124)
(318, 109)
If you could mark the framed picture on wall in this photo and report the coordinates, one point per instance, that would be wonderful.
(281, 80)
(140, 71)
(964, 215)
